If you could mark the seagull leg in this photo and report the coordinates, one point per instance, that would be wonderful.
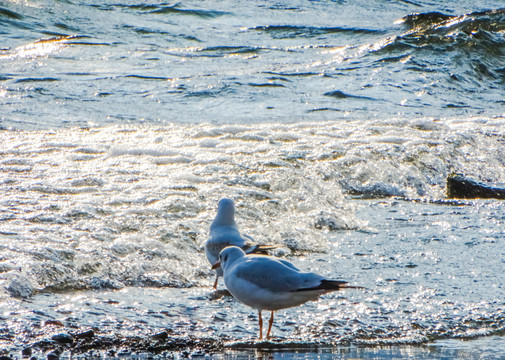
(215, 282)
(260, 322)
(270, 322)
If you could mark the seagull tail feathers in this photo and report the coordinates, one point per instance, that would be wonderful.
(332, 285)
(259, 249)
(265, 248)
(354, 287)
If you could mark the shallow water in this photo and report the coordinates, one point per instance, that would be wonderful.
(114, 207)
(103, 229)
(333, 125)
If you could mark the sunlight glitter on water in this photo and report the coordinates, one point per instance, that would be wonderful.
(103, 227)
(38, 48)
(113, 188)
(128, 209)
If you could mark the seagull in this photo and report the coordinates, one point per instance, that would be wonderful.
(224, 233)
(267, 283)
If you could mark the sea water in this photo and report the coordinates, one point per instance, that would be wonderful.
(104, 227)
(87, 63)
(332, 125)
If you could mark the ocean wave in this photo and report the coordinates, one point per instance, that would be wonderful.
(161, 183)
(178, 9)
(164, 9)
(296, 31)
(480, 33)
(490, 20)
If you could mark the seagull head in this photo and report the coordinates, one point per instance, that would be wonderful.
(225, 213)
(227, 256)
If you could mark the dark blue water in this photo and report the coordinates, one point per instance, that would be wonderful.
(92, 63)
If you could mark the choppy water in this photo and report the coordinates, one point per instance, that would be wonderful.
(333, 125)
(94, 63)
(104, 227)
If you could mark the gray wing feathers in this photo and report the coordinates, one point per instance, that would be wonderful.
(275, 275)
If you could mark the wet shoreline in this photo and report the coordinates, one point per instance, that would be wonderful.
(163, 346)
(120, 324)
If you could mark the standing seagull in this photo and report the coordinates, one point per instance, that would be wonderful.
(224, 233)
(267, 283)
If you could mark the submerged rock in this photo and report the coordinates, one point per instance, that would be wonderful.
(53, 355)
(26, 352)
(63, 338)
(161, 335)
(88, 334)
(459, 186)
(20, 287)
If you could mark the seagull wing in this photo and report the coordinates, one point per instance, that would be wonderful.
(274, 275)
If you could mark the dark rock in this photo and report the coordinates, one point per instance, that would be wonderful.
(198, 353)
(4, 357)
(88, 334)
(462, 187)
(124, 353)
(160, 336)
(26, 352)
(54, 322)
(63, 338)
(43, 344)
(53, 355)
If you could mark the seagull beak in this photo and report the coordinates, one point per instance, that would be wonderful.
(216, 265)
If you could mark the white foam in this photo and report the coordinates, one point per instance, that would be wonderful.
(139, 151)
(145, 194)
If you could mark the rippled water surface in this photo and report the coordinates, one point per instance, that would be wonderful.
(93, 63)
(103, 228)
(333, 126)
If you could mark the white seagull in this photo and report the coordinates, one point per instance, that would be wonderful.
(224, 233)
(267, 283)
